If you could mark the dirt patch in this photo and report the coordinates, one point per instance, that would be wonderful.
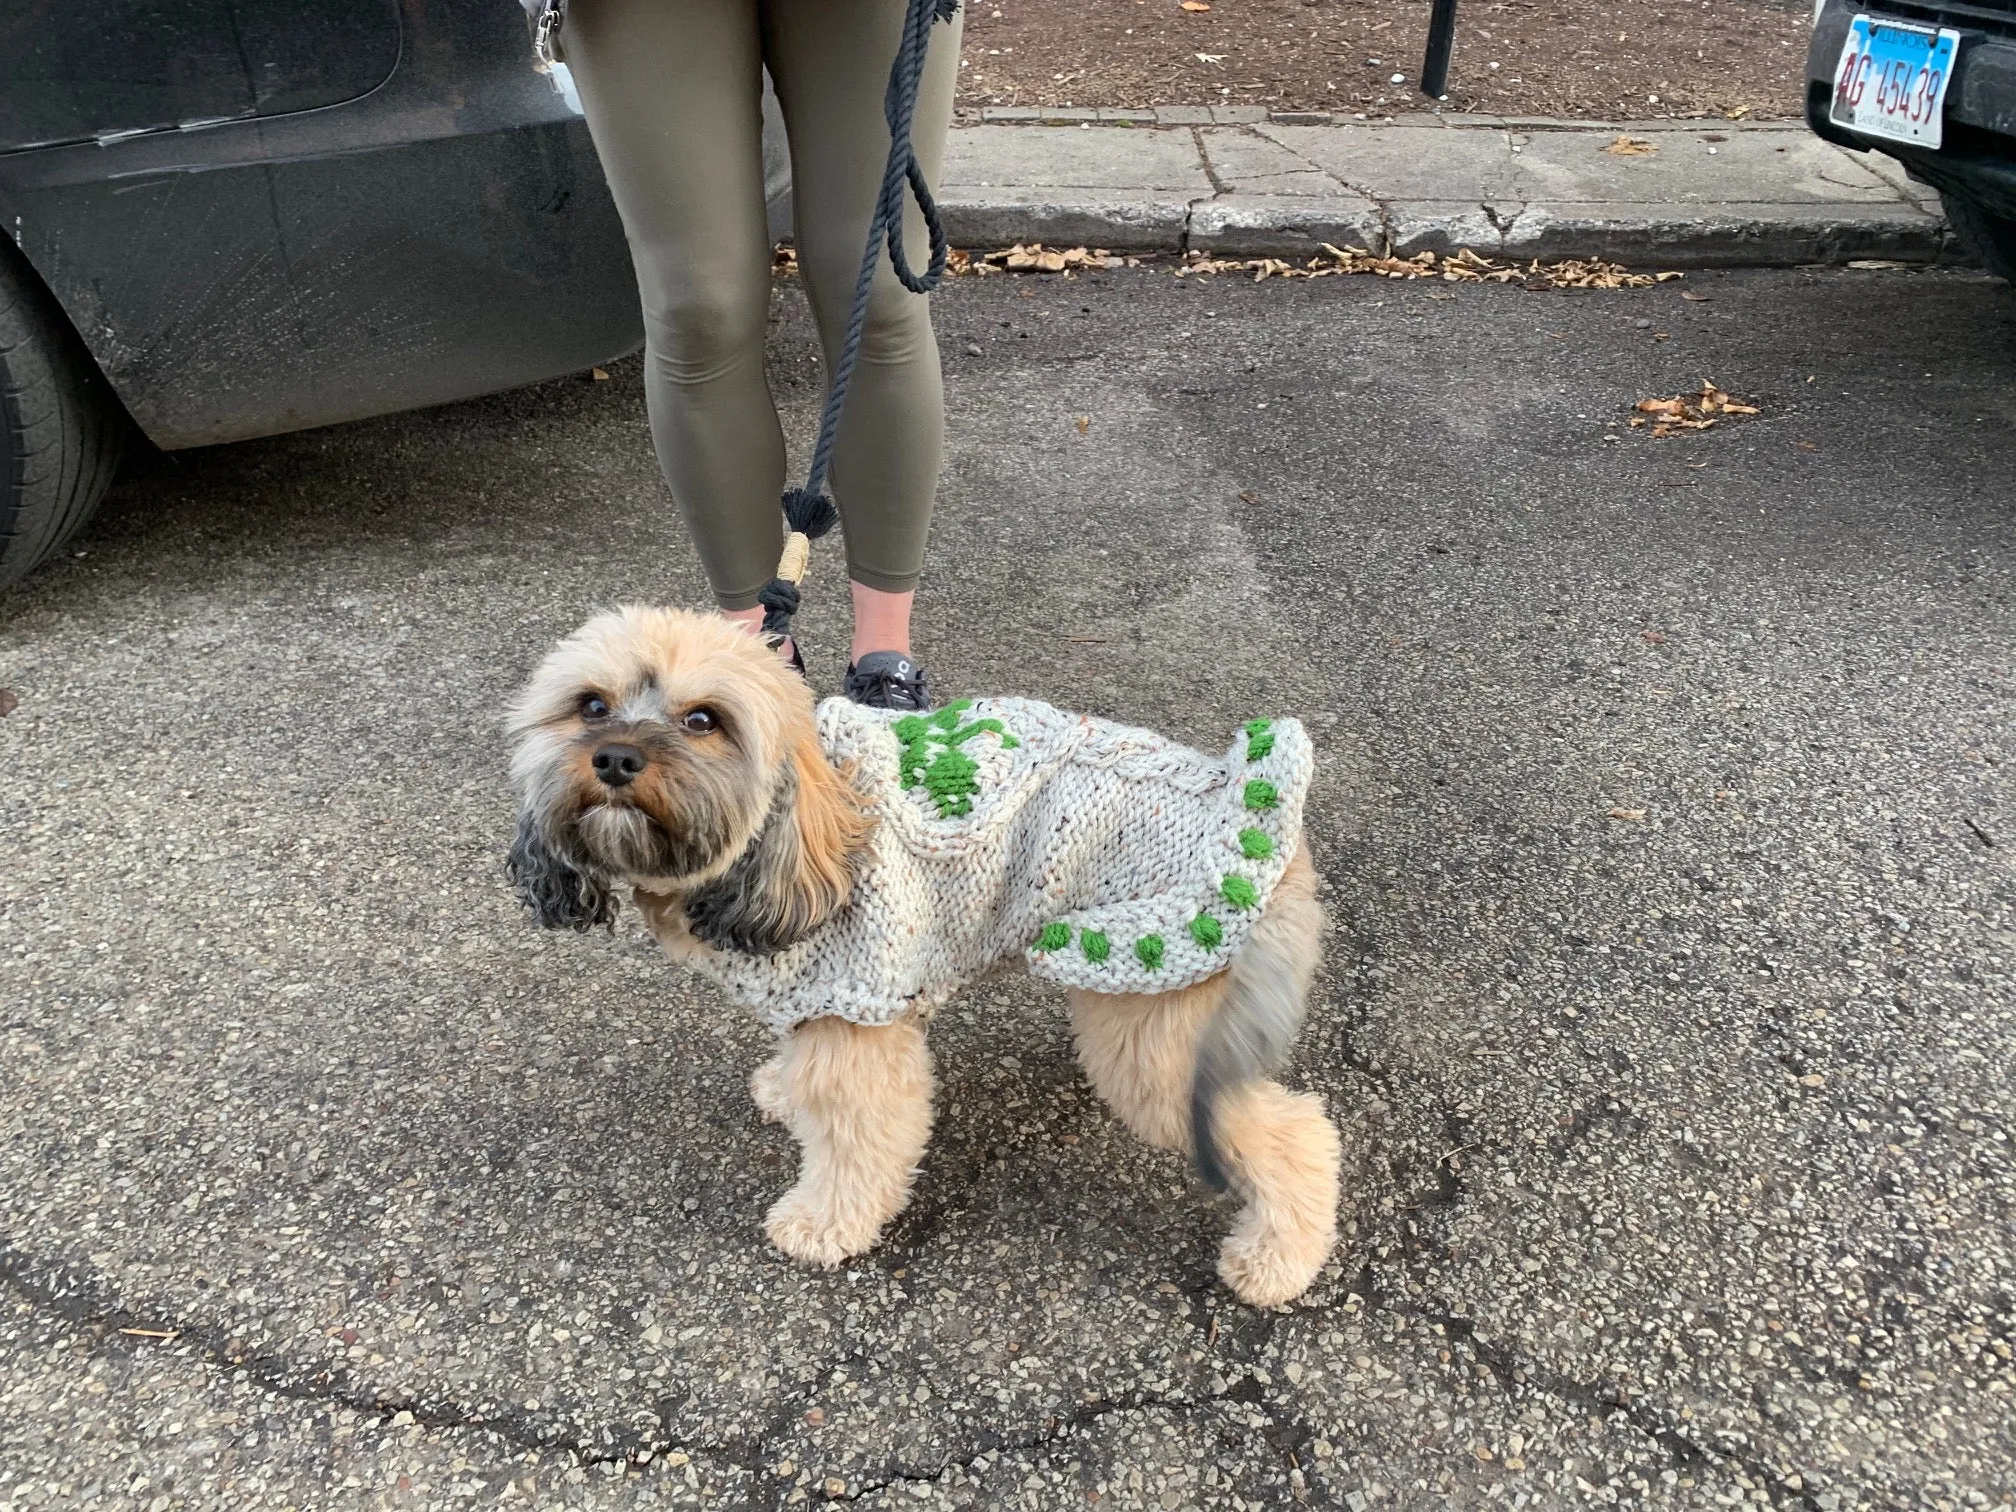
(1632, 60)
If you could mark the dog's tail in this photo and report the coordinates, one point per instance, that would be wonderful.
(1266, 993)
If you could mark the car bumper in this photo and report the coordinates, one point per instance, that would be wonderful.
(1978, 155)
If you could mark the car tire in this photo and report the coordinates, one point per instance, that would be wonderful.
(1989, 236)
(61, 428)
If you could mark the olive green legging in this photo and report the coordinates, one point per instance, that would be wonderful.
(673, 91)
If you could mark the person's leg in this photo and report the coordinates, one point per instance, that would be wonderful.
(673, 93)
(830, 63)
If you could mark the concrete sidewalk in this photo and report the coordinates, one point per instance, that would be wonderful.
(1237, 181)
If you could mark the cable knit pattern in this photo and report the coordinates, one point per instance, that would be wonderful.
(1110, 858)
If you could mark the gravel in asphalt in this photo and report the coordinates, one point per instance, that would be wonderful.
(1664, 816)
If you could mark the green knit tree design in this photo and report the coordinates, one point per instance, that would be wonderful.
(931, 756)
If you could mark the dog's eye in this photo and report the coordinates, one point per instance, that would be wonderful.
(593, 706)
(700, 722)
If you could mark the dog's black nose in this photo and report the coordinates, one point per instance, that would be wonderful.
(618, 765)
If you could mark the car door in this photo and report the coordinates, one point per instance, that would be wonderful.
(93, 70)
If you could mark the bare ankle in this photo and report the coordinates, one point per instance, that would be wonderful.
(881, 621)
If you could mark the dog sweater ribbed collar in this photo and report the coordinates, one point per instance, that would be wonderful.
(1110, 858)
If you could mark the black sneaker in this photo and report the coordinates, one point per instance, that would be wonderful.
(888, 680)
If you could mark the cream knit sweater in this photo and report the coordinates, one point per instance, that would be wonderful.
(1111, 858)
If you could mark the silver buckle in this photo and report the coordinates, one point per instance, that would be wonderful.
(546, 31)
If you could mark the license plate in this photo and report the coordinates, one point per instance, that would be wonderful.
(1892, 78)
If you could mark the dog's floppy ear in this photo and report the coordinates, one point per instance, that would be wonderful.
(560, 894)
(798, 871)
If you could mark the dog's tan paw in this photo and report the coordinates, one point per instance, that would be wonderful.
(1269, 1275)
(816, 1237)
(766, 1089)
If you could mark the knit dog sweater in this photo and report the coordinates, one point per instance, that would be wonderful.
(1112, 859)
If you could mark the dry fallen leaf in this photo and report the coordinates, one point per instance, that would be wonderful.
(1653, 637)
(1737, 113)
(9, 702)
(1690, 412)
(1084, 424)
(1806, 446)
(1630, 146)
(1624, 813)
(1689, 294)
(1464, 266)
(1034, 257)
(1195, 5)
(1248, 496)
(598, 375)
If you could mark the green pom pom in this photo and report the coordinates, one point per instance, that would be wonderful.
(1258, 742)
(1054, 937)
(1148, 950)
(1095, 945)
(1255, 845)
(1240, 893)
(1207, 932)
(1261, 795)
(1256, 726)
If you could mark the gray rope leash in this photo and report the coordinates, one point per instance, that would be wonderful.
(809, 511)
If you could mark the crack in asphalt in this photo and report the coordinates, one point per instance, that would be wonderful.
(1056, 1429)
(1515, 1375)
(72, 1296)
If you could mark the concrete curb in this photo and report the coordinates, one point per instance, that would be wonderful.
(1239, 181)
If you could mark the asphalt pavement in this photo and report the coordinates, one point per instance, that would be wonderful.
(1665, 821)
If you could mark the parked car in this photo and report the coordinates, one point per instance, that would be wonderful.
(1932, 83)
(231, 218)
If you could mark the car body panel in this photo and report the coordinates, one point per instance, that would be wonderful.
(158, 64)
(443, 234)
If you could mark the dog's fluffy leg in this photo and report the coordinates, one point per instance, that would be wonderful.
(858, 1100)
(766, 1089)
(1139, 1052)
(1282, 1156)
(1267, 991)
(1276, 1149)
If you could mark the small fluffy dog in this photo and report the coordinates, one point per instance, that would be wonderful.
(842, 871)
